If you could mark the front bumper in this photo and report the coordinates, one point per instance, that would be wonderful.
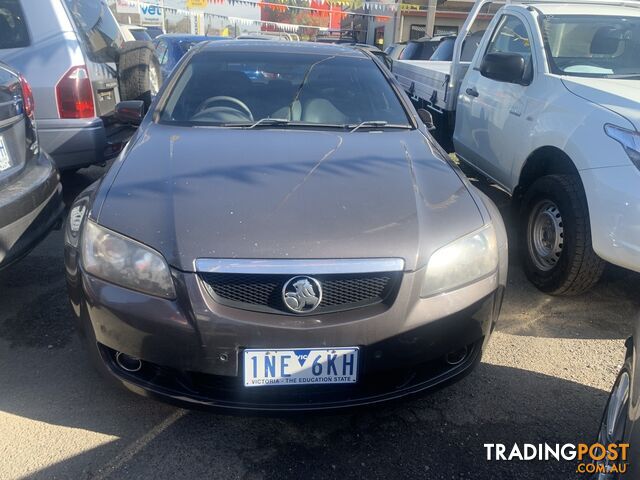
(192, 347)
(613, 196)
(30, 206)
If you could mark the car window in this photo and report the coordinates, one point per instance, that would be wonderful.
(99, 31)
(592, 45)
(13, 29)
(510, 37)
(161, 52)
(419, 50)
(444, 52)
(140, 35)
(313, 89)
(186, 45)
(470, 45)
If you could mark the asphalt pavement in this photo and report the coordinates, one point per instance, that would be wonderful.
(544, 378)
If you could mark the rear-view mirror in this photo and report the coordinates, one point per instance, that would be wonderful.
(130, 111)
(426, 118)
(504, 67)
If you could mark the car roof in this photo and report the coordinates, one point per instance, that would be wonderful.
(366, 46)
(284, 47)
(258, 36)
(436, 38)
(180, 37)
(582, 9)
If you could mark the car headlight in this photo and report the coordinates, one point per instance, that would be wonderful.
(73, 224)
(629, 139)
(117, 259)
(461, 262)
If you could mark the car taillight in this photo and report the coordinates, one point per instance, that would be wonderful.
(75, 94)
(27, 97)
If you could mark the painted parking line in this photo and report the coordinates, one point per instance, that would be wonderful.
(137, 445)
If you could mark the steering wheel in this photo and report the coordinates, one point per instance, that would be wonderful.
(208, 103)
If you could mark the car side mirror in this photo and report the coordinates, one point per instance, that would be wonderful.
(130, 111)
(426, 118)
(504, 67)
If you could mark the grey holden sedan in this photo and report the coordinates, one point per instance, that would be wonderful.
(283, 233)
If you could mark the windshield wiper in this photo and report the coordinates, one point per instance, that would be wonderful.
(284, 122)
(623, 76)
(269, 121)
(375, 123)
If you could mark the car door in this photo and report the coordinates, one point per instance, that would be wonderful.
(490, 118)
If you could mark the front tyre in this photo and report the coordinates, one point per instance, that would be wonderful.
(557, 254)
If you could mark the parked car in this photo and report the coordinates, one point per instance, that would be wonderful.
(337, 36)
(79, 67)
(395, 50)
(444, 51)
(154, 31)
(621, 415)
(421, 48)
(30, 192)
(440, 48)
(171, 47)
(132, 33)
(548, 110)
(376, 52)
(300, 244)
(290, 37)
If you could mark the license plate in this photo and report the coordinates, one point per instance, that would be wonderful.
(5, 161)
(300, 366)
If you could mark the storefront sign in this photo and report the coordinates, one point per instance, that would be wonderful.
(126, 6)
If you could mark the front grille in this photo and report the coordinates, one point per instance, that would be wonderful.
(263, 292)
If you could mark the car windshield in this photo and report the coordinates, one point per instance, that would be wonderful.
(593, 45)
(232, 88)
(141, 35)
(444, 52)
(422, 50)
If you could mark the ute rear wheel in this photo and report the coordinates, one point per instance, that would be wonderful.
(557, 255)
(139, 73)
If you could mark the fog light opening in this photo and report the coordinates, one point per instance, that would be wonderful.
(457, 356)
(128, 363)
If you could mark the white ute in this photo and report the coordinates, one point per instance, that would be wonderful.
(549, 109)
